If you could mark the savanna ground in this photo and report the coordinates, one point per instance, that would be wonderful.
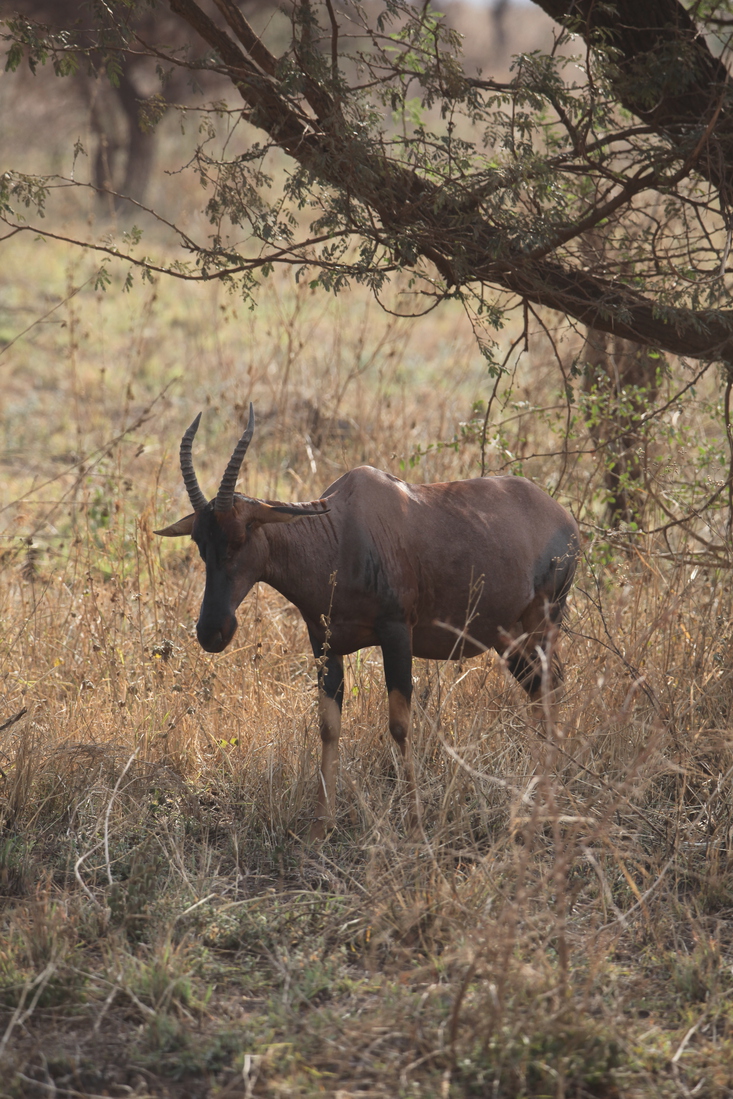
(564, 923)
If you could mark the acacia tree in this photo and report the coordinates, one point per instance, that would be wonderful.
(399, 160)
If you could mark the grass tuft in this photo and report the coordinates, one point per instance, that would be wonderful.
(562, 926)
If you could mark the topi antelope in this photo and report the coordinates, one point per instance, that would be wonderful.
(440, 571)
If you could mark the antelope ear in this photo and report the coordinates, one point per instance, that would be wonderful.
(176, 530)
(285, 513)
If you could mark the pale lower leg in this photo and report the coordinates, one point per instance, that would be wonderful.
(399, 727)
(329, 714)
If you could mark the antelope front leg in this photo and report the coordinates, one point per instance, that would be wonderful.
(395, 639)
(330, 701)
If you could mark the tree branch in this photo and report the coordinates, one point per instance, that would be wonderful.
(682, 82)
(453, 235)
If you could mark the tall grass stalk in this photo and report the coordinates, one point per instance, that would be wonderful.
(562, 926)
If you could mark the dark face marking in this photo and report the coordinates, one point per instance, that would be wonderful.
(217, 622)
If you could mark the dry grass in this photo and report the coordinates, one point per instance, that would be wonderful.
(563, 926)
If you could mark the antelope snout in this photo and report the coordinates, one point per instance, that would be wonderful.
(214, 637)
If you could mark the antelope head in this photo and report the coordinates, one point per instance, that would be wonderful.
(227, 531)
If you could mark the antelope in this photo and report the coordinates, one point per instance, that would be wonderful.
(441, 571)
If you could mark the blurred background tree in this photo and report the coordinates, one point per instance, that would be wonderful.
(592, 179)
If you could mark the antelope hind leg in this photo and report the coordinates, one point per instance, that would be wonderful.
(534, 661)
(396, 643)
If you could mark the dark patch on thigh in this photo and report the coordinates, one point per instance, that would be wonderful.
(377, 583)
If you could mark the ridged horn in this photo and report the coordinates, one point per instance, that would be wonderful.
(225, 496)
(195, 495)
